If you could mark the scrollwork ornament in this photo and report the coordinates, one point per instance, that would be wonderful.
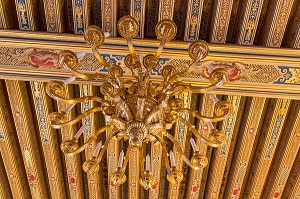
(94, 35)
(115, 72)
(68, 59)
(176, 104)
(198, 48)
(90, 166)
(166, 29)
(219, 75)
(107, 89)
(128, 27)
(57, 118)
(217, 138)
(168, 71)
(56, 89)
(150, 62)
(223, 108)
(69, 146)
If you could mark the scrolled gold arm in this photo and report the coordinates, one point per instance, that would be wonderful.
(57, 123)
(204, 118)
(78, 149)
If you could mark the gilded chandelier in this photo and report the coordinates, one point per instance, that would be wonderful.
(137, 110)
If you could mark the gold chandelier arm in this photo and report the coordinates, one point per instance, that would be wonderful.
(126, 158)
(94, 137)
(181, 152)
(164, 150)
(99, 57)
(57, 123)
(69, 61)
(202, 117)
(209, 141)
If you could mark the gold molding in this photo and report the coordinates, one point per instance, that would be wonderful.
(246, 139)
(109, 16)
(220, 157)
(266, 149)
(276, 22)
(220, 20)
(73, 163)
(166, 9)
(49, 141)
(289, 147)
(22, 115)
(54, 15)
(248, 22)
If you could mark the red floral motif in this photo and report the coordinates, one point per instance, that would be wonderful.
(72, 180)
(112, 184)
(31, 177)
(233, 70)
(276, 194)
(43, 58)
(195, 188)
(154, 186)
(235, 192)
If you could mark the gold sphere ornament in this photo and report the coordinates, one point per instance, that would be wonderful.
(90, 166)
(118, 177)
(199, 160)
(147, 180)
(174, 176)
(69, 146)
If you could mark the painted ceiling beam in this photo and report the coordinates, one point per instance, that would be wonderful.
(220, 21)
(166, 9)
(48, 135)
(134, 191)
(276, 21)
(221, 155)
(73, 163)
(266, 148)
(248, 22)
(156, 166)
(8, 19)
(81, 15)
(18, 97)
(5, 191)
(137, 10)
(54, 15)
(193, 20)
(180, 135)
(109, 16)
(26, 11)
(195, 177)
(292, 37)
(250, 131)
(283, 162)
(10, 150)
(92, 125)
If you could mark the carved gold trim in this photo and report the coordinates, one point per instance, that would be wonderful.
(92, 124)
(20, 106)
(266, 148)
(166, 9)
(195, 177)
(220, 21)
(49, 140)
(54, 15)
(289, 147)
(109, 16)
(276, 21)
(73, 163)
(220, 157)
(180, 136)
(246, 139)
(134, 175)
(248, 22)
(193, 20)
(5, 191)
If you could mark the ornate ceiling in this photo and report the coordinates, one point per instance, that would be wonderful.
(257, 40)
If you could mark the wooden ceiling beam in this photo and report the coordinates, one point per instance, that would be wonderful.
(92, 125)
(193, 20)
(270, 135)
(48, 135)
(292, 37)
(109, 16)
(249, 132)
(26, 11)
(10, 150)
(137, 10)
(5, 191)
(221, 155)
(220, 21)
(276, 21)
(55, 18)
(81, 15)
(287, 151)
(248, 22)
(8, 19)
(180, 135)
(18, 97)
(156, 166)
(195, 177)
(72, 163)
(166, 9)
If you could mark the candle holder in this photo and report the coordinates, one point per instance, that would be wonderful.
(90, 166)
(147, 180)
(174, 175)
(69, 146)
(199, 160)
(118, 177)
